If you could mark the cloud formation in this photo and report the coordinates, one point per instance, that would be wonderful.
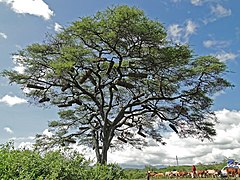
(220, 11)
(3, 35)
(226, 144)
(33, 7)
(26, 145)
(175, 32)
(47, 133)
(176, 1)
(225, 56)
(189, 151)
(24, 142)
(17, 61)
(57, 27)
(23, 138)
(8, 130)
(190, 29)
(215, 44)
(197, 2)
(181, 34)
(12, 100)
(217, 12)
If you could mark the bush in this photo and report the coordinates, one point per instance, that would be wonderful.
(106, 172)
(135, 173)
(31, 165)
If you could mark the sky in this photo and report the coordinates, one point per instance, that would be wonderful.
(210, 27)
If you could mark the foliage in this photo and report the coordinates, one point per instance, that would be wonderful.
(31, 165)
(134, 174)
(111, 172)
(117, 79)
(54, 165)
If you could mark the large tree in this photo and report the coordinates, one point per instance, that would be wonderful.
(116, 78)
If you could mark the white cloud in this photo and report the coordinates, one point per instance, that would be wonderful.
(47, 133)
(189, 151)
(23, 138)
(26, 145)
(11, 101)
(209, 43)
(3, 35)
(8, 130)
(176, 1)
(224, 56)
(219, 93)
(19, 69)
(226, 144)
(33, 7)
(181, 34)
(215, 44)
(197, 2)
(220, 11)
(175, 32)
(17, 60)
(24, 142)
(217, 11)
(57, 27)
(190, 29)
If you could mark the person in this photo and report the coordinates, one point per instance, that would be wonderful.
(148, 175)
(193, 171)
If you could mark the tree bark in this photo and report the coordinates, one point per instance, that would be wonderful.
(104, 155)
(107, 137)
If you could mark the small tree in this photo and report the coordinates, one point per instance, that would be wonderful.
(116, 79)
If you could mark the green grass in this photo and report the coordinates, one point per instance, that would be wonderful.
(153, 178)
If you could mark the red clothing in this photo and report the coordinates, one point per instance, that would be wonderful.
(193, 168)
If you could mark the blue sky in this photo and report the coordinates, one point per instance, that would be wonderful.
(210, 27)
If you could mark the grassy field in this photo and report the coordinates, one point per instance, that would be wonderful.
(140, 174)
(185, 178)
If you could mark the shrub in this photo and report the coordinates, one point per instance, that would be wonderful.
(31, 165)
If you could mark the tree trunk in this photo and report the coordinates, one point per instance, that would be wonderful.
(101, 153)
(104, 155)
(107, 138)
(96, 146)
(98, 154)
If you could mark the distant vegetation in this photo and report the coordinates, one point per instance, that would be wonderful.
(141, 173)
(32, 165)
(55, 165)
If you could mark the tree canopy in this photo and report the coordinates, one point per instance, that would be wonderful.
(117, 79)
